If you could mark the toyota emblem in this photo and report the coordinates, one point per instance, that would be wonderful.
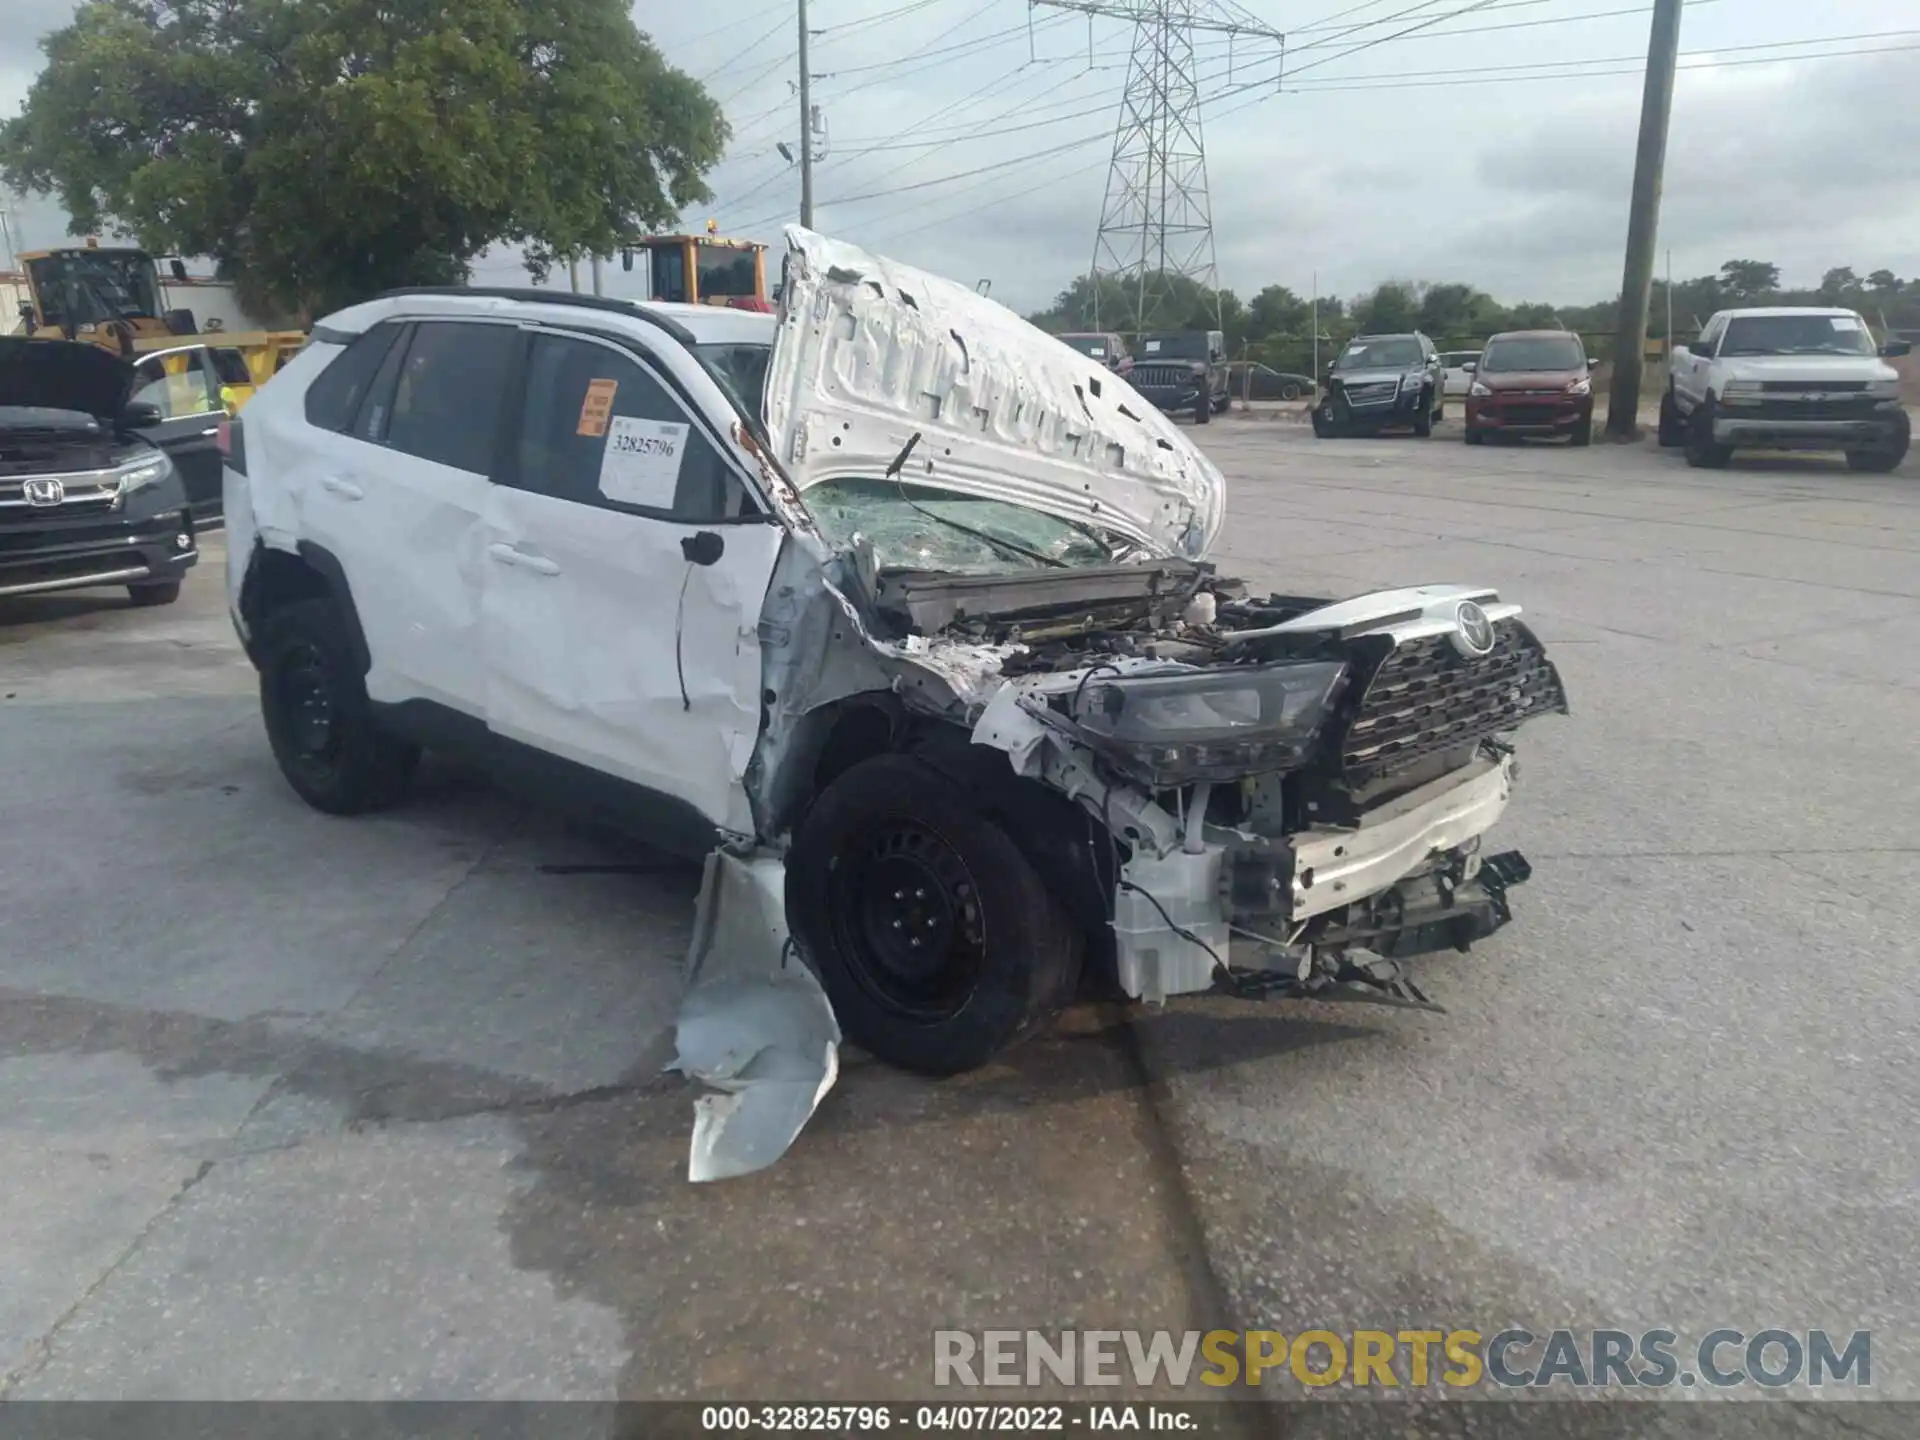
(1473, 632)
(43, 491)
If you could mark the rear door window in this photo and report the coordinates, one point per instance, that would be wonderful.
(448, 394)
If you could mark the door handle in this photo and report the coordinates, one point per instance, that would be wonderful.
(210, 430)
(508, 555)
(345, 489)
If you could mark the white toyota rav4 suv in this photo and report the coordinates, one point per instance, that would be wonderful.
(893, 593)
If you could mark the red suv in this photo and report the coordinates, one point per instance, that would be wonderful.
(1531, 382)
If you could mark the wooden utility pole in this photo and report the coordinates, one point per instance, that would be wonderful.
(1643, 222)
(806, 127)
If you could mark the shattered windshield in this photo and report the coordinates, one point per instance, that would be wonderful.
(926, 529)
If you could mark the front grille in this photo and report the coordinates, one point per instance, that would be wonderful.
(86, 493)
(1849, 407)
(1527, 414)
(1426, 698)
(1160, 376)
(1799, 387)
(1376, 393)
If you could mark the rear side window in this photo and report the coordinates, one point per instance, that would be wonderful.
(448, 395)
(334, 397)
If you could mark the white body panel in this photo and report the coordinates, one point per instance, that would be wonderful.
(591, 618)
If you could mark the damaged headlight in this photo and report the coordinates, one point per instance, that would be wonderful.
(1169, 730)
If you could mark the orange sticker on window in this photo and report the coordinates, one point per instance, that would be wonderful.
(597, 409)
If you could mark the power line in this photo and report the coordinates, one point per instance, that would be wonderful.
(779, 8)
(1079, 144)
(759, 75)
(881, 18)
(745, 50)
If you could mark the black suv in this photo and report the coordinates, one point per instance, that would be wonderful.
(1182, 372)
(84, 500)
(1380, 381)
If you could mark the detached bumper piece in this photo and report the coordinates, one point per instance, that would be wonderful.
(1428, 913)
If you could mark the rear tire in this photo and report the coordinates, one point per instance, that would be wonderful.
(319, 721)
(1673, 425)
(893, 852)
(160, 592)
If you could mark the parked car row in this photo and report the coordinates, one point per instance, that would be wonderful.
(1180, 372)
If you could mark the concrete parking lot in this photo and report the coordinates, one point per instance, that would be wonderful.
(300, 1107)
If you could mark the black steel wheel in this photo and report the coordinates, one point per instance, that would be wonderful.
(931, 933)
(319, 724)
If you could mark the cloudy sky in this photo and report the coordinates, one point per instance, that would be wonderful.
(1489, 141)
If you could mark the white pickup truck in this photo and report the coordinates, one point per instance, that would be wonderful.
(1786, 378)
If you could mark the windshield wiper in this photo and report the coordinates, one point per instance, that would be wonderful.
(999, 542)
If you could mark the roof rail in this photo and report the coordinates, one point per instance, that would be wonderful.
(631, 308)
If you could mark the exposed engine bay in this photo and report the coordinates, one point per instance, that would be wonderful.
(1292, 791)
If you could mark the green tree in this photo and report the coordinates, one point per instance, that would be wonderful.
(1884, 283)
(1393, 306)
(321, 151)
(1276, 310)
(1839, 285)
(1749, 279)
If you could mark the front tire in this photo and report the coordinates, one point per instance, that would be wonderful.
(1423, 420)
(1883, 458)
(1325, 426)
(1702, 452)
(161, 592)
(1203, 409)
(935, 939)
(1473, 434)
(319, 722)
(1583, 432)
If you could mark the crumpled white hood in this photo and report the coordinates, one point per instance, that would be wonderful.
(869, 352)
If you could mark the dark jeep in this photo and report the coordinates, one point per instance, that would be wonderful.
(1183, 372)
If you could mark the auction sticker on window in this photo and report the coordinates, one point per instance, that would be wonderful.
(597, 407)
(641, 464)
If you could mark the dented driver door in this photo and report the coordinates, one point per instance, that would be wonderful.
(625, 568)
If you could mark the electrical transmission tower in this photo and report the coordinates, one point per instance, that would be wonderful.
(1156, 223)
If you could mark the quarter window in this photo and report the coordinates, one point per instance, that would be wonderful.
(599, 429)
(334, 397)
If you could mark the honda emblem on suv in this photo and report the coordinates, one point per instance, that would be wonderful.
(42, 491)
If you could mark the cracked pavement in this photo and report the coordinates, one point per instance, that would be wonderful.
(299, 1107)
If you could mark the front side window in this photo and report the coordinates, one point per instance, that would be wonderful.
(448, 394)
(176, 385)
(598, 429)
(669, 266)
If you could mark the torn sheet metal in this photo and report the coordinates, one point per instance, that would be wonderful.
(870, 352)
(754, 1024)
